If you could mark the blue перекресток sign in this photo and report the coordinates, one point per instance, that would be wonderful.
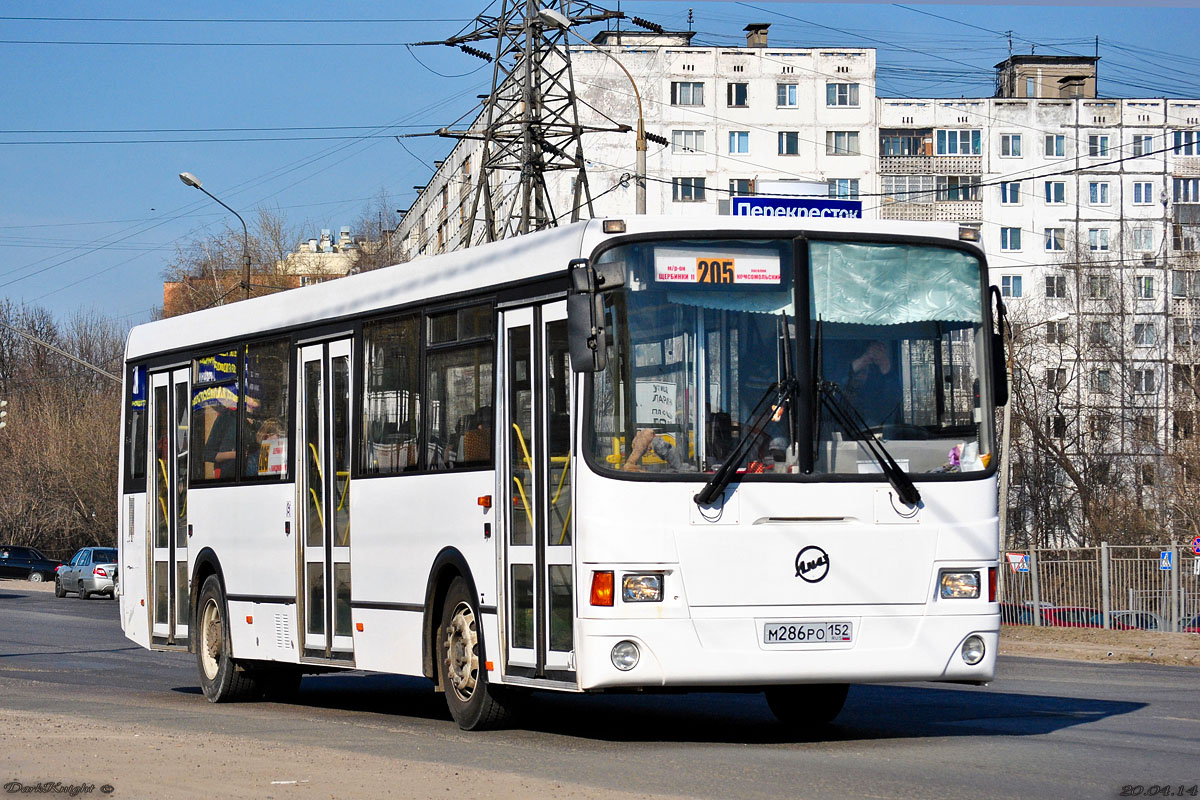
(796, 207)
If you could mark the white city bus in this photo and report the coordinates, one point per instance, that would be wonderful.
(622, 454)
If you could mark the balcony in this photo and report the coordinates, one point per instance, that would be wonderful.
(931, 165)
(1185, 166)
(948, 211)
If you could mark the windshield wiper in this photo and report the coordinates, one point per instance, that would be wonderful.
(847, 416)
(778, 397)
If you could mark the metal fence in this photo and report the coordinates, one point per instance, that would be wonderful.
(1153, 588)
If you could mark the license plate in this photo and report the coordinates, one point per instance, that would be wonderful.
(816, 632)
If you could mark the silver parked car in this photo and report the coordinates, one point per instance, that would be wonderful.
(92, 570)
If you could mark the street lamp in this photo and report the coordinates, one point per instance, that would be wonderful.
(191, 180)
(556, 19)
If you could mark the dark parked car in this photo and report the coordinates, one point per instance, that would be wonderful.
(92, 570)
(26, 562)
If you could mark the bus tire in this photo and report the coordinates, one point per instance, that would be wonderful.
(220, 679)
(807, 706)
(474, 703)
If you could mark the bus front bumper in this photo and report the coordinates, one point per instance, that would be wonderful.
(731, 651)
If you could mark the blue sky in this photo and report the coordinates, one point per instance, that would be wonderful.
(91, 223)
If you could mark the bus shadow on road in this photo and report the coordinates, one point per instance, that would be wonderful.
(872, 712)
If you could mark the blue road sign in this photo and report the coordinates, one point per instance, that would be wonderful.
(761, 206)
(1164, 559)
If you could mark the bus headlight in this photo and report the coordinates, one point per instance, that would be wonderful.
(972, 650)
(646, 588)
(959, 585)
(625, 655)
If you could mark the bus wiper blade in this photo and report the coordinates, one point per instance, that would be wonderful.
(780, 395)
(846, 415)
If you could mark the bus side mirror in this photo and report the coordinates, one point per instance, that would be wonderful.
(999, 371)
(999, 361)
(585, 319)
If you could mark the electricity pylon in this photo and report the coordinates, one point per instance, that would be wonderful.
(529, 125)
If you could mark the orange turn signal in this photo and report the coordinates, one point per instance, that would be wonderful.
(488, 666)
(249, 620)
(358, 627)
(602, 588)
(485, 501)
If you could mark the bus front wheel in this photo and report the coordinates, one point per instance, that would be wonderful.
(220, 679)
(474, 703)
(807, 706)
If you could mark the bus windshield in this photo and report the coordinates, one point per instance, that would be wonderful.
(703, 329)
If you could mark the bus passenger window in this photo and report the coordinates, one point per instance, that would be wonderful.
(391, 396)
(214, 416)
(265, 399)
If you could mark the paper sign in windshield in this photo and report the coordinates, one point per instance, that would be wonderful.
(686, 266)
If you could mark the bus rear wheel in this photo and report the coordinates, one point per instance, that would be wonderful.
(807, 706)
(474, 703)
(220, 679)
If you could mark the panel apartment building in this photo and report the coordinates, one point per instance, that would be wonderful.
(1088, 207)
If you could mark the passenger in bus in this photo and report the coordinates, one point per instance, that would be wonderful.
(220, 448)
(646, 440)
(873, 385)
(258, 451)
(477, 441)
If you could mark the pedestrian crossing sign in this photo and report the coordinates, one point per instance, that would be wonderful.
(1164, 559)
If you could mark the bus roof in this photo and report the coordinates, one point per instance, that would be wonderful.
(513, 260)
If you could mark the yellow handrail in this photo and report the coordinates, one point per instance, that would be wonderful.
(162, 498)
(524, 500)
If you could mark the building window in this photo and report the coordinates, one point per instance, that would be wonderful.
(1143, 193)
(1056, 286)
(1099, 287)
(1185, 283)
(1143, 238)
(1057, 332)
(908, 188)
(1187, 333)
(687, 190)
(785, 95)
(1100, 333)
(841, 143)
(1056, 146)
(957, 187)
(1031, 87)
(1143, 429)
(1143, 380)
(1187, 143)
(1010, 193)
(1143, 286)
(1010, 239)
(1056, 379)
(1143, 144)
(735, 94)
(1098, 239)
(1056, 193)
(1143, 334)
(1056, 426)
(1055, 238)
(741, 187)
(1102, 381)
(687, 93)
(739, 143)
(903, 143)
(1187, 190)
(687, 141)
(843, 188)
(1010, 285)
(841, 94)
(1010, 145)
(959, 143)
(789, 143)
(1098, 193)
(1097, 145)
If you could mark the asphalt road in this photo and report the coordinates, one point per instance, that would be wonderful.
(1042, 729)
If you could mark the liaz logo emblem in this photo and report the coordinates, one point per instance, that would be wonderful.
(812, 564)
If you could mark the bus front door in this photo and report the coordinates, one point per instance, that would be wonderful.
(323, 467)
(167, 479)
(537, 554)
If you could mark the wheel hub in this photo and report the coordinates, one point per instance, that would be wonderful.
(462, 647)
(210, 640)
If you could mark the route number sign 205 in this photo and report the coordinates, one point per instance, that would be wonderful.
(716, 270)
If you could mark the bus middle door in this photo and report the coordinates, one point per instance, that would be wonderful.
(536, 475)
